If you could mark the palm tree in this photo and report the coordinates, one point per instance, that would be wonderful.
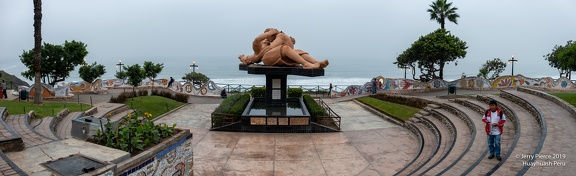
(37, 50)
(440, 10)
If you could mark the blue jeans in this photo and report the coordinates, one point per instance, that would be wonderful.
(494, 144)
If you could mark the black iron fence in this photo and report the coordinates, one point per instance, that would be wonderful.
(330, 119)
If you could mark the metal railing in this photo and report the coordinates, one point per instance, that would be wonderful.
(321, 90)
(330, 119)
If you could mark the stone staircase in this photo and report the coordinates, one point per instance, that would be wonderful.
(454, 140)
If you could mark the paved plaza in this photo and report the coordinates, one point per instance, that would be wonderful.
(368, 145)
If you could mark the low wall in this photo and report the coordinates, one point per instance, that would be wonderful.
(174, 156)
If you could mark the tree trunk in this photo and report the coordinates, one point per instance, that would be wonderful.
(441, 74)
(37, 50)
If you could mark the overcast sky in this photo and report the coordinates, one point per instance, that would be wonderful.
(366, 34)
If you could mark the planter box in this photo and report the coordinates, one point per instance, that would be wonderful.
(173, 156)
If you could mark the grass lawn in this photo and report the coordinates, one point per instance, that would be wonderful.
(23, 107)
(155, 105)
(397, 110)
(568, 97)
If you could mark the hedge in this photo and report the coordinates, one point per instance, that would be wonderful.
(313, 107)
(295, 92)
(408, 101)
(258, 92)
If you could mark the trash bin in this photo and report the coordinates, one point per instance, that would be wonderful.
(23, 94)
(452, 89)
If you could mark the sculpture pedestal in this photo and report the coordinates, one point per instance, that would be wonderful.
(276, 90)
(276, 80)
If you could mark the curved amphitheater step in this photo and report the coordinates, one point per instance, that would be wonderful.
(560, 138)
(530, 137)
(43, 128)
(468, 147)
(105, 108)
(119, 115)
(20, 126)
(482, 165)
(430, 146)
(64, 127)
(446, 142)
(463, 139)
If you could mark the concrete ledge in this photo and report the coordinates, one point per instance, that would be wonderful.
(91, 111)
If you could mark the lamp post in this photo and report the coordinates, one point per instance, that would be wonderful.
(511, 61)
(194, 66)
(119, 65)
(404, 67)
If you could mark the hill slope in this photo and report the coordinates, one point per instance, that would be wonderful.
(11, 78)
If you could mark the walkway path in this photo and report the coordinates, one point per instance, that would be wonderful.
(64, 128)
(560, 138)
(368, 145)
(30, 138)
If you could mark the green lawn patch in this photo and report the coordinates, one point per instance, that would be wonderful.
(398, 111)
(155, 105)
(23, 107)
(568, 97)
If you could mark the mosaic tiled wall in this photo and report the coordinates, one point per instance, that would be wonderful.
(175, 160)
(383, 83)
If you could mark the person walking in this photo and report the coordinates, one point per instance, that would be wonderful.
(494, 119)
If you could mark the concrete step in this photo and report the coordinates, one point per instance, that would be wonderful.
(559, 130)
(122, 114)
(430, 146)
(30, 137)
(433, 106)
(476, 149)
(44, 129)
(447, 142)
(527, 140)
(64, 127)
(463, 139)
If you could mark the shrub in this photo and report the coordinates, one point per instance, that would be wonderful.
(181, 97)
(227, 104)
(295, 92)
(133, 134)
(239, 106)
(167, 94)
(313, 107)
(258, 92)
(154, 92)
(143, 93)
(122, 97)
(234, 104)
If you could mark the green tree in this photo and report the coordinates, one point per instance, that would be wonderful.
(58, 61)
(152, 70)
(496, 66)
(89, 73)
(196, 78)
(569, 58)
(430, 53)
(442, 10)
(560, 62)
(37, 59)
(135, 75)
